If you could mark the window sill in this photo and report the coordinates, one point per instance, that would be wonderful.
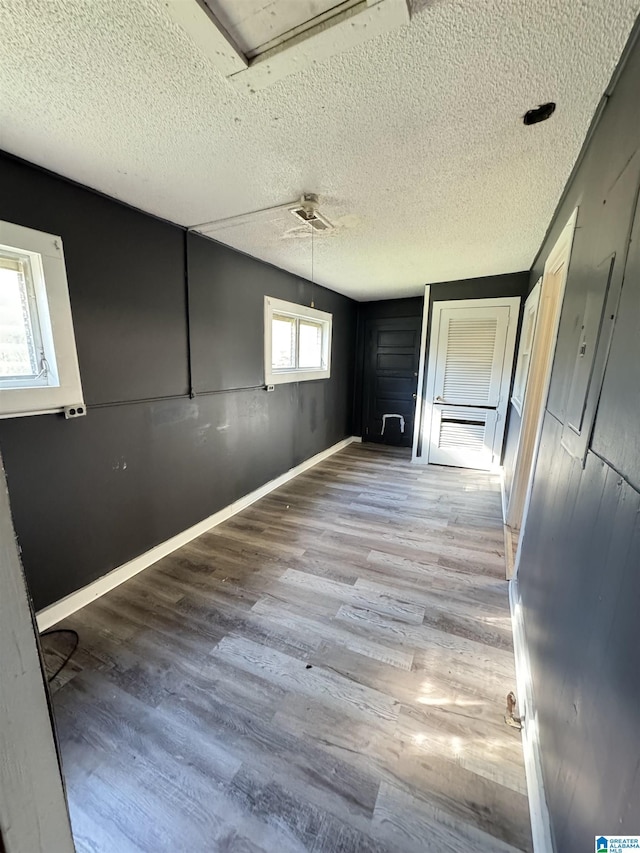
(296, 376)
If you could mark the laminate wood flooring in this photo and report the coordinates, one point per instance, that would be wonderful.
(326, 671)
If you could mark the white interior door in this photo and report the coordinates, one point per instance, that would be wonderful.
(469, 373)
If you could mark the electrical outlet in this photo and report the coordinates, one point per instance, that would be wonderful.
(75, 411)
(269, 387)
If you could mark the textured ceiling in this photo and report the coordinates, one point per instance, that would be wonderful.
(413, 140)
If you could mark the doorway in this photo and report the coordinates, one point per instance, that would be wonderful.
(468, 378)
(392, 352)
(535, 393)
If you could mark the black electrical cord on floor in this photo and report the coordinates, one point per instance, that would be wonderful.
(76, 643)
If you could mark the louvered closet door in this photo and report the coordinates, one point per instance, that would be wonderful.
(468, 386)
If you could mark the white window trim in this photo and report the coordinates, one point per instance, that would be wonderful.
(280, 306)
(66, 393)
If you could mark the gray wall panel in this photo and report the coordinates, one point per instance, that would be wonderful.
(617, 428)
(578, 574)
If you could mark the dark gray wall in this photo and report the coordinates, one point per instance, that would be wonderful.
(580, 565)
(487, 287)
(148, 461)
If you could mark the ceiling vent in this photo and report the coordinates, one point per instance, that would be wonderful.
(307, 212)
(254, 43)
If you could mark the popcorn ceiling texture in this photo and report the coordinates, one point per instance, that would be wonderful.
(414, 140)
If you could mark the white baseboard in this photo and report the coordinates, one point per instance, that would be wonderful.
(54, 613)
(538, 810)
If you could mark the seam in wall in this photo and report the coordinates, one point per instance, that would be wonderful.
(139, 400)
(603, 459)
(185, 256)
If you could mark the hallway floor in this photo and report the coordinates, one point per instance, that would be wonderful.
(326, 671)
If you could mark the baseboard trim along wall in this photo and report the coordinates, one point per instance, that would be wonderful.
(54, 613)
(540, 821)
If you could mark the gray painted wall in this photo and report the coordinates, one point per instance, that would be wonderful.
(148, 460)
(580, 565)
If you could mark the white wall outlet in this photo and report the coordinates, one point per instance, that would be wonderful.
(76, 411)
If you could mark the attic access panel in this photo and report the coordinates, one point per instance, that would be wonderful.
(256, 42)
(256, 26)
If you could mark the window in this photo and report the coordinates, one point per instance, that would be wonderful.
(526, 345)
(38, 363)
(297, 342)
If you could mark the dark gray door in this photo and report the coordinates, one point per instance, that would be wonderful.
(392, 351)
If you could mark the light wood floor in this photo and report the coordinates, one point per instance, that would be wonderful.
(326, 671)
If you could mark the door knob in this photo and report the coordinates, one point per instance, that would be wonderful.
(415, 396)
(439, 400)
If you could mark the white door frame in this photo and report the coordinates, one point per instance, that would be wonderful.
(33, 807)
(561, 253)
(417, 417)
(532, 303)
(426, 378)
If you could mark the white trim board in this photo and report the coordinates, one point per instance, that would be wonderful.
(561, 251)
(59, 610)
(33, 809)
(417, 419)
(538, 810)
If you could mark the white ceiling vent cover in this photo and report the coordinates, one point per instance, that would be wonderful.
(307, 212)
(254, 44)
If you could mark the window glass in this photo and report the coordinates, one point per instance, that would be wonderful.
(310, 344)
(20, 339)
(297, 342)
(283, 342)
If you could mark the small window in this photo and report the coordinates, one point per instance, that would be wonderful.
(38, 363)
(527, 335)
(297, 342)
